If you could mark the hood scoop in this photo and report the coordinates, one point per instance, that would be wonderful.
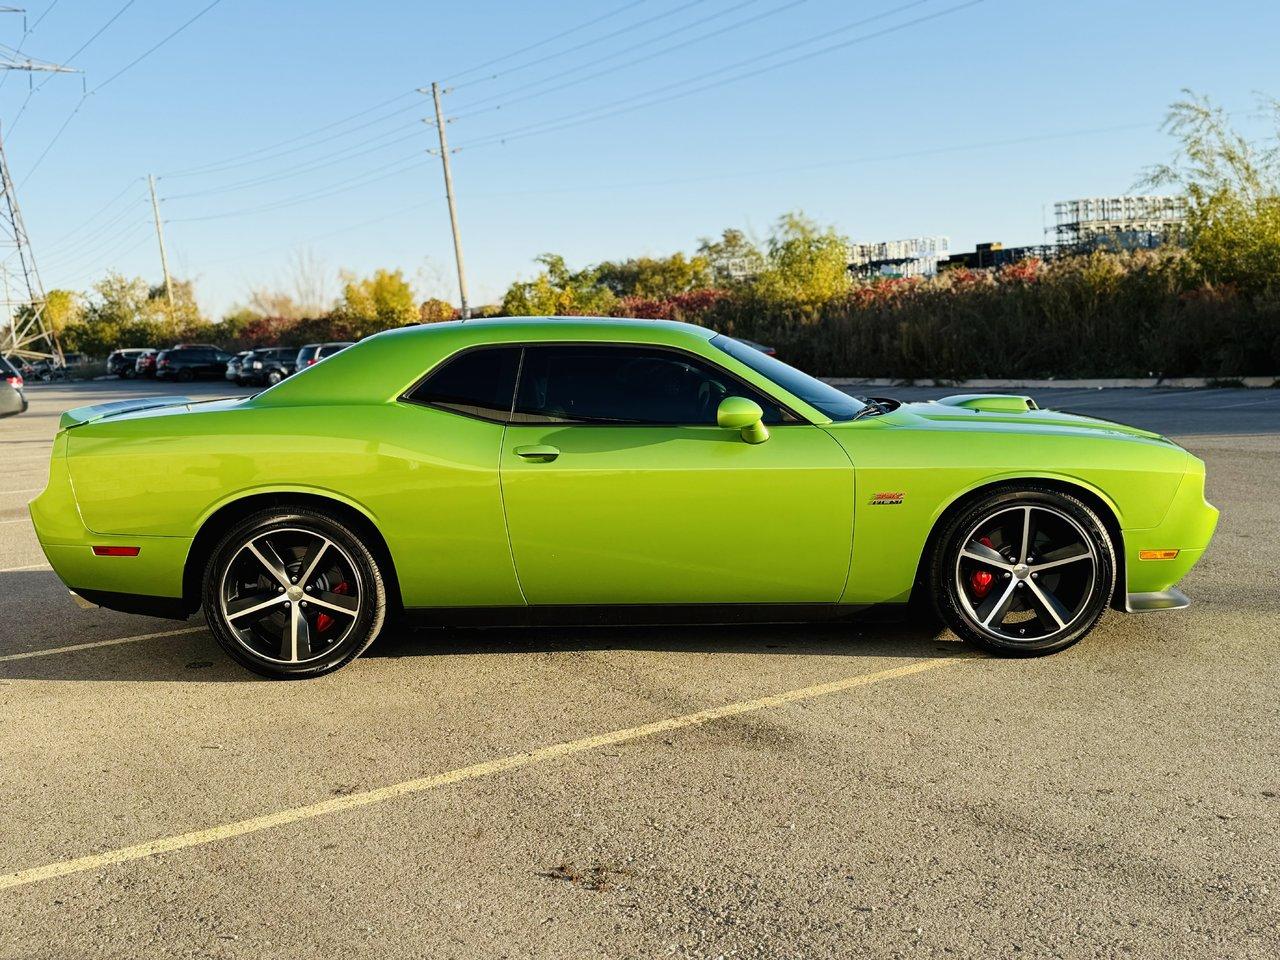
(990, 402)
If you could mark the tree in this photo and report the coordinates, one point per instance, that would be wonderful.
(434, 310)
(1232, 188)
(557, 290)
(656, 278)
(806, 264)
(377, 302)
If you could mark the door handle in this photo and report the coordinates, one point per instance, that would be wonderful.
(538, 453)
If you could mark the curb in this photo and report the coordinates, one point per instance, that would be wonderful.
(1147, 383)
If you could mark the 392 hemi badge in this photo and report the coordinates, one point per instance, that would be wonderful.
(887, 499)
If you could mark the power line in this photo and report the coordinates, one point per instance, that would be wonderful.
(138, 59)
(417, 161)
(79, 50)
(586, 43)
(127, 67)
(609, 110)
(340, 157)
(240, 160)
(93, 216)
(628, 63)
(542, 43)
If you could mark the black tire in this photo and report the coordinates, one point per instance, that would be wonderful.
(1049, 601)
(274, 377)
(268, 641)
(184, 376)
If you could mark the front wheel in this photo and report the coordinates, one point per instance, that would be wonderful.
(1024, 571)
(292, 593)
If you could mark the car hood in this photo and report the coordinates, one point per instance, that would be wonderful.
(992, 414)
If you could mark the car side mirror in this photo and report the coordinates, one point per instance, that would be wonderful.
(745, 416)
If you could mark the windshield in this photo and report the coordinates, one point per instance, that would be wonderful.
(819, 395)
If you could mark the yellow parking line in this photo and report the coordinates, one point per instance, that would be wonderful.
(487, 769)
(31, 654)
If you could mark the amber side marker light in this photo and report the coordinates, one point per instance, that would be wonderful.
(1157, 554)
(116, 551)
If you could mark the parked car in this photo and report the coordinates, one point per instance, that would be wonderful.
(552, 470)
(22, 366)
(48, 370)
(767, 351)
(124, 363)
(145, 365)
(313, 353)
(191, 363)
(268, 365)
(234, 364)
(13, 398)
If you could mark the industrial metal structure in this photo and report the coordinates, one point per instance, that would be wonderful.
(1119, 222)
(914, 257)
(24, 330)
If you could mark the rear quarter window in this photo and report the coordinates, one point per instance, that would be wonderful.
(478, 383)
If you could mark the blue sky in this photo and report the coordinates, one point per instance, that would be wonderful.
(618, 143)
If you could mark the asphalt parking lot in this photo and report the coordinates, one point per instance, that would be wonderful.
(871, 791)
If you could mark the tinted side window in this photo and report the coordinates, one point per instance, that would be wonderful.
(478, 382)
(622, 384)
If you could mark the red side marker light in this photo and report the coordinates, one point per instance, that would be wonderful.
(116, 551)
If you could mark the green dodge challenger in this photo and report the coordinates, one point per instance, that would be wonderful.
(584, 470)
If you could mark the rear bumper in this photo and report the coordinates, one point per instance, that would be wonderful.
(150, 583)
(169, 608)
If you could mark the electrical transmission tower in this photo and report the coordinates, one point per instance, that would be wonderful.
(24, 329)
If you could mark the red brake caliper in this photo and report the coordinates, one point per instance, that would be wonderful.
(981, 580)
(324, 621)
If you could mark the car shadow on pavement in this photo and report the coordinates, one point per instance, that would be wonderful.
(195, 657)
(823, 639)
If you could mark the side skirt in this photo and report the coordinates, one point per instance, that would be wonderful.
(630, 614)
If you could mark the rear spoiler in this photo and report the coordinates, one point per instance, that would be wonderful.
(82, 415)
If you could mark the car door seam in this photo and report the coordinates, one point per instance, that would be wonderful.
(853, 511)
(506, 523)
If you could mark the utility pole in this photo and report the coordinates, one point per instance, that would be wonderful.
(453, 209)
(164, 257)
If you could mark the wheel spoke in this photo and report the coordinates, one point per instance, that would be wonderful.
(270, 559)
(1057, 558)
(1050, 604)
(1026, 535)
(249, 605)
(986, 555)
(993, 610)
(312, 560)
(300, 635)
(337, 602)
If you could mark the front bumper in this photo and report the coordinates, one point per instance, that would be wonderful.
(1187, 527)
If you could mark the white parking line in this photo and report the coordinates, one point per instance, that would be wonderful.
(32, 654)
(489, 768)
(24, 490)
(29, 566)
(18, 520)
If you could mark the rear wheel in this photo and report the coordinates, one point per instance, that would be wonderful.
(1024, 571)
(293, 593)
(185, 375)
(274, 377)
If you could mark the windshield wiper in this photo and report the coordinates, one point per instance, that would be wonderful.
(870, 408)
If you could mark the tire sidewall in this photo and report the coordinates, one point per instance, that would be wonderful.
(943, 581)
(368, 623)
